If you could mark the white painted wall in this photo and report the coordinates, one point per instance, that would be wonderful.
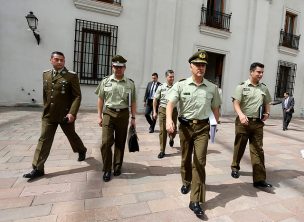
(154, 35)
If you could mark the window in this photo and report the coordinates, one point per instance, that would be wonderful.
(95, 45)
(285, 79)
(287, 36)
(213, 15)
(290, 23)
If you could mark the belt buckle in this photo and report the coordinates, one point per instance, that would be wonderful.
(195, 121)
(117, 110)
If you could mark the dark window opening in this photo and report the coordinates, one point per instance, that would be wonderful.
(285, 79)
(95, 45)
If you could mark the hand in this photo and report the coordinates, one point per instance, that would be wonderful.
(99, 120)
(71, 118)
(265, 117)
(244, 119)
(287, 110)
(170, 126)
(132, 122)
(154, 115)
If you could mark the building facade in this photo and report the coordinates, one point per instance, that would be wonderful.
(154, 35)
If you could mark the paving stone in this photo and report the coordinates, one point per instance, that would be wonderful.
(67, 207)
(46, 189)
(25, 212)
(16, 202)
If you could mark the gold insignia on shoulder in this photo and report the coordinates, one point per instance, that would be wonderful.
(72, 72)
(182, 80)
(48, 70)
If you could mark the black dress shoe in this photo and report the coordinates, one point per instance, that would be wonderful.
(262, 184)
(235, 174)
(196, 208)
(185, 189)
(161, 155)
(106, 176)
(34, 174)
(82, 156)
(151, 130)
(171, 142)
(117, 172)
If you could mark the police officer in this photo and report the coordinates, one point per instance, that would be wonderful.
(61, 98)
(251, 102)
(197, 98)
(115, 94)
(160, 99)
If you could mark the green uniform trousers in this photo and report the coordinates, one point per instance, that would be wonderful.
(46, 139)
(162, 127)
(194, 140)
(254, 133)
(114, 131)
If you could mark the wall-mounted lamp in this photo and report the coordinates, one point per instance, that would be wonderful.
(32, 23)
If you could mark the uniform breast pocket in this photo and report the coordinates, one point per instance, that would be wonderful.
(108, 90)
(127, 93)
(186, 96)
(205, 98)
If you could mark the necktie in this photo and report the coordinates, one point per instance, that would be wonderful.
(152, 91)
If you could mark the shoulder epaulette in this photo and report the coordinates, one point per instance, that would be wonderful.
(131, 80)
(160, 84)
(242, 83)
(48, 70)
(72, 72)
(182, 80)
(263, 84)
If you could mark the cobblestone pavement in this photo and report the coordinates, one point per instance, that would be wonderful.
(148, 189)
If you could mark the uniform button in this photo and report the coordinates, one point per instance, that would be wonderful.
(52, 103)
(52, 90)
(53, 83)
(52, 97)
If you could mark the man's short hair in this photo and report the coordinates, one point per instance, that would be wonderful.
(169, 71)
(254, 65)
(57, 53)
(155, 74)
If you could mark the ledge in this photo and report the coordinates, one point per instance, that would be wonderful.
(214, 32)
(100, 7)
(288, 51)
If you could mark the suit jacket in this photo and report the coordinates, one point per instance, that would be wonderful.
(290, 104)
(61, 95)
(149, 88)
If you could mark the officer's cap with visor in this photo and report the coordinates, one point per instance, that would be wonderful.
(199, 57)
(118, 60)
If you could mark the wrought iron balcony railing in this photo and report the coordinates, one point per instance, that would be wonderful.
(289, 40)
(215, 19)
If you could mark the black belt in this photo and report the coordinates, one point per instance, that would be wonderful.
(118, 110)
(196, 121)
(253, 119)
(187, 122)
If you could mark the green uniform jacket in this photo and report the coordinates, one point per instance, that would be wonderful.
(61, 95)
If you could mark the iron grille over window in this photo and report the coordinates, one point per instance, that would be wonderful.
(289, 40)
(285, 79)
(95, 45)
(215, 19)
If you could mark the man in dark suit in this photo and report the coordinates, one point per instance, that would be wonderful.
(61, 99)
(148, 100)
(288, 109)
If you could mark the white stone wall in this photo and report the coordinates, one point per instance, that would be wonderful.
(154, 35)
